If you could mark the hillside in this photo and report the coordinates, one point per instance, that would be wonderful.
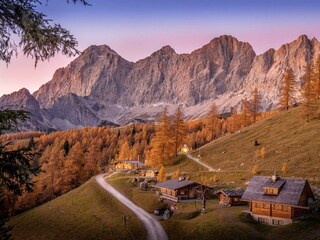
(87, 212)
(288, 140)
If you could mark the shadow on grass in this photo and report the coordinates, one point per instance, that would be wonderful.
(179, 159)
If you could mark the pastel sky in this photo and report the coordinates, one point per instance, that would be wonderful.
(136, 28)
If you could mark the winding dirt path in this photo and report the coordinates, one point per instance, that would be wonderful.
(153, 227)
(197, 160)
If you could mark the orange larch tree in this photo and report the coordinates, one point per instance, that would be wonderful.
(287, 91)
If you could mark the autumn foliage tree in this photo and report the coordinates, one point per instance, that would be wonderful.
(245, 113)
(212, 118)
(162, 147)
(73, 169)
(124, 151)
(176, 174)
(179, 130)
(162, 174)
(255, 104)
(263, 152)
(309, 93)
(287, 90)
(317, 76)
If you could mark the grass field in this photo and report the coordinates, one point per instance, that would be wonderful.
(87, 212)
(219, 222)
(287, 138)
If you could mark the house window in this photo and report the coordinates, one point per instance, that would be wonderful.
(263, 220)
(258, 205)
(271, 191)
(266, 206)
(277, 222)
(262, 205)
(280, 207)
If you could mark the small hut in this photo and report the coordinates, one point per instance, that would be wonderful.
(151, 173)
(128, 165)
(230, 197)
(177, 189)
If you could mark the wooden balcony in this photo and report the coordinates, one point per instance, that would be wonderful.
(172, 198)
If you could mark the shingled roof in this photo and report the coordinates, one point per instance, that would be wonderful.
(231, 192)
(290, 193)
(175, 184)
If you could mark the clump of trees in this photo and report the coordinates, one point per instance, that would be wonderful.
(169, 138)
(310, 90)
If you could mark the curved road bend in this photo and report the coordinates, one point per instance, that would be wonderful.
(153, 227)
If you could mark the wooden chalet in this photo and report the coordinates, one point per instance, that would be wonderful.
(177, 189)
(278, 201)
(230, 197)
(128, 165)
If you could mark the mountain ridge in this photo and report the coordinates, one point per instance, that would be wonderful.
(109, 87)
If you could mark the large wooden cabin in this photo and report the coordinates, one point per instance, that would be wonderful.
(177, 189)
(278, 201)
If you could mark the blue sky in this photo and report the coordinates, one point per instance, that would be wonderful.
(136, 28)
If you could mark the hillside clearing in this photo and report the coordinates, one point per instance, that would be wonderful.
(87, 212)
(287, 139)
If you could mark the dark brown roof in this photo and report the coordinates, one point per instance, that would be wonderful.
(290, 193)
(175, 184)
(231, 192)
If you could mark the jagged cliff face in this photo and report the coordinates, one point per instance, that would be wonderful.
(189, 79)
(24, 100)
(267, 68)
(165, 76)
(101, 85)
(96, 71)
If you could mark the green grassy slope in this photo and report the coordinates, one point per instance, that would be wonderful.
(87, 212)
(287, 139)
(219, 222)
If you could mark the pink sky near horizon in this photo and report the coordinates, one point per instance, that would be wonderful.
(134, 41)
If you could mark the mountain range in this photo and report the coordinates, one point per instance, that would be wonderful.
(101, 87)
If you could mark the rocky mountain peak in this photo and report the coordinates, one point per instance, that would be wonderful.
(17, 96)
(23, 92)
(303, 38)
(100, 49)
(230, 41)
(164, 51)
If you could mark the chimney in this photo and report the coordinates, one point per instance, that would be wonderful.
(274, 177)
(181, 178)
